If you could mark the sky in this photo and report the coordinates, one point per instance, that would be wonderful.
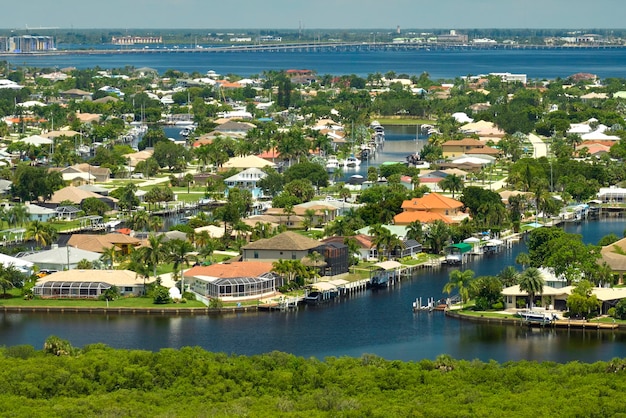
(316, 14)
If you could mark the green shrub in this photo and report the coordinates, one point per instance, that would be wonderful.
(611, 312)
(498, 306)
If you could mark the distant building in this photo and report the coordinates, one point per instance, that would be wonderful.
(132, 40)
(26, 44)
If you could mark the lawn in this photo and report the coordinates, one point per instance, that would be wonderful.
(130, 302)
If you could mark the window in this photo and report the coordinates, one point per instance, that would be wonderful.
(256, 254)
(293, 255)
(128, 289)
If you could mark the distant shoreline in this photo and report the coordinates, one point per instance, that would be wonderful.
(296, 47)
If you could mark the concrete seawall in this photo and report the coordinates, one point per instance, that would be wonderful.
(127, 311)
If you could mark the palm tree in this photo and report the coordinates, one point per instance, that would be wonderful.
(18, 215)
(523, 259)
(40, 232)
(154, 253)
(381, 237)
(437, 236)
(532, 282)
(178, 251)
(461, 281)
(155, 223)
(108, 256)
(141, 220)
(415, 231)
(453, 183)
(508, 276)
(309, 215)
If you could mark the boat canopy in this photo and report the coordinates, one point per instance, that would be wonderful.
(388, 265)
(461, 247)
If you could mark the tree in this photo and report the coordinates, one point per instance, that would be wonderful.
(154, 253)
(460, 280)
(170, 155)
(179, 253)
(523, 259)
(453, 183)
(415, 231)
(532, 282)
(30, 183)
(508, 276)
(582, 302)
(41, 233)
(487, 290)
(94, 206)
(437, 236)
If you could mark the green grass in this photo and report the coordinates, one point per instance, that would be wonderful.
(485, 314)
(129, 302)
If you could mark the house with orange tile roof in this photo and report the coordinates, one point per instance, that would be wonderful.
(239, 280)
(429, 208)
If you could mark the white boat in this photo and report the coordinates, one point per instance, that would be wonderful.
(536, 317)
(352, 161)
(332, 163)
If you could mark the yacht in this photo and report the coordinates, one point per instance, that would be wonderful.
(332, 163)
(352, 161)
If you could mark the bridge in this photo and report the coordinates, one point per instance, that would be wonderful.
(310, 47)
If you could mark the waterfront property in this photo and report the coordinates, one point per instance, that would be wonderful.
(292, 246)
(88, 284)
(60, 258)
(241, 280)
(429, 208)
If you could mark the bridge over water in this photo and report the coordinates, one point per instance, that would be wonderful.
(308, 47)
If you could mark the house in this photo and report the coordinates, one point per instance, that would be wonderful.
(429, 208)
(232, 127)
(366, 250)
(75, 195)
(250, 161)
(248, 179)
(76, 94)
(60, 258)
(67, 213)
(286, 246)
(292, 246)
(100, 243)
(40, 213)
(614, 255)
(240, 280)
(485, 130)
(88, 284)
(24, 266)
(455, 148)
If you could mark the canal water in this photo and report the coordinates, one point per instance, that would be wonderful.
(376, 322)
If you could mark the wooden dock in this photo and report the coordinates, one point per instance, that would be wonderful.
(579, 324)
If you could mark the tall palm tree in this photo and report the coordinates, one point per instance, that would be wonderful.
(532, 282)
(141, 220)
(523, 259)
(461, 281)
(155, 223)
(154, 253)
(18, 215)
(40, 232)
(415, 231)
(508, 276)
(453, 183)
(179, 252)
(108, 256)
(381, 237)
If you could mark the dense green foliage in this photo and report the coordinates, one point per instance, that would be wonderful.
(191, 382)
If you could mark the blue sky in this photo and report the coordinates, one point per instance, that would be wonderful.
(312, 14)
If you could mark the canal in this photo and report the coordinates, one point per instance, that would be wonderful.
(374, 322)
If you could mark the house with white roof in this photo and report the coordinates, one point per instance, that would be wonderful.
(248, 179)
